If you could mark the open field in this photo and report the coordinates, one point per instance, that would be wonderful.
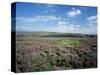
(45, 51)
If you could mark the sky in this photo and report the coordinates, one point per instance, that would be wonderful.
(56, 18)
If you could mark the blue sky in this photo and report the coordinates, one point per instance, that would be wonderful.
(56, 18)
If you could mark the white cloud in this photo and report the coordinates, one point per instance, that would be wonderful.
(61, 22)
(77, 26)
(74, 12)
(46, 18)
(61, 25)
(25, 27)
(67, 27)
(92, 18)
(92, 23)
(39, 18)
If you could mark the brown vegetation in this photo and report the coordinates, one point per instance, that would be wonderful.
(47, 53)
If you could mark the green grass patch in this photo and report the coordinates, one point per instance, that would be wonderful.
(67, 42)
